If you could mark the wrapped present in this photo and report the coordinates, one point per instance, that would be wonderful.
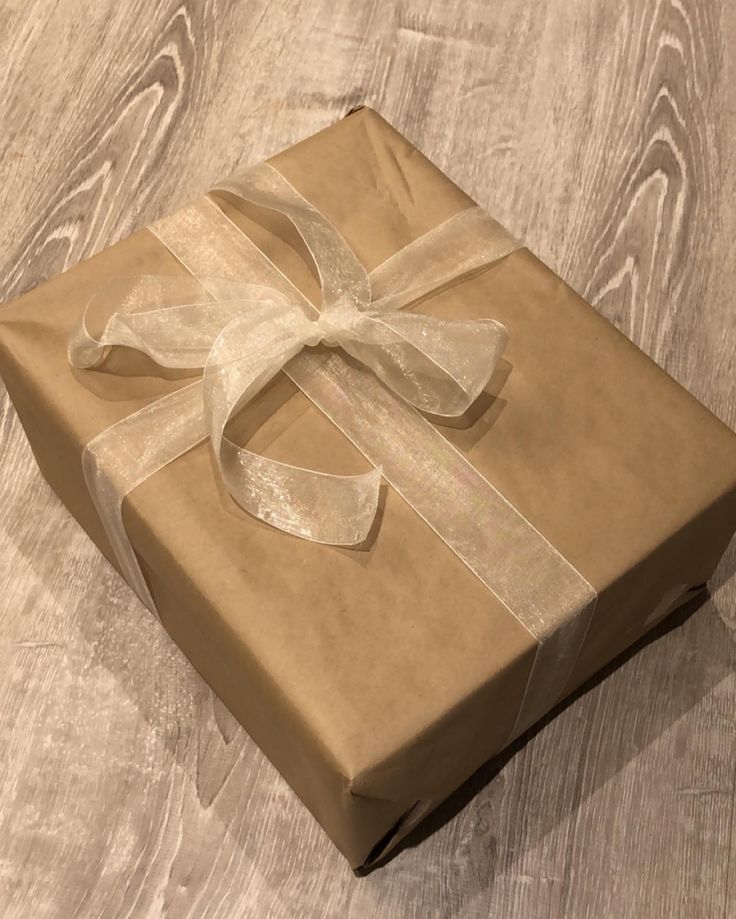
(390, 484)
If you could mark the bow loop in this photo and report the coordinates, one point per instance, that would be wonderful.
(342, 277)
(438, 365)
(172, 319)
(336, 326)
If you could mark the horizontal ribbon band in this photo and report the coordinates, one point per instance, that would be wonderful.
(241, 321)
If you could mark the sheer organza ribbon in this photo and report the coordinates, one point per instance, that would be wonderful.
(241, 321)
(241, 334)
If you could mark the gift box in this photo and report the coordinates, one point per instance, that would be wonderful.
(518, 547)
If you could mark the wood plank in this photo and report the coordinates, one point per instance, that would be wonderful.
(599, 133)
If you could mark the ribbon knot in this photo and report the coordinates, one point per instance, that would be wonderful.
(240, 334)
(331, 327)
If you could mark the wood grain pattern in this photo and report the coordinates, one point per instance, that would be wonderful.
(601, 133)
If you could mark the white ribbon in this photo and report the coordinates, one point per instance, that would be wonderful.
(242, 334)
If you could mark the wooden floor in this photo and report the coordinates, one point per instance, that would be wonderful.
(604, 134)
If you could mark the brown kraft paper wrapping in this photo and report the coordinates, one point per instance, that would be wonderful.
(377, 680)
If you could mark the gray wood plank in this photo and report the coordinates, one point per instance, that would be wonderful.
(602, 134)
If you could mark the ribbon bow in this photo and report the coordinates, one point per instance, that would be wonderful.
(241, 334)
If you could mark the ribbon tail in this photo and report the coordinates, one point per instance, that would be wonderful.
(129, 452)
(319, 506)
(337, 510)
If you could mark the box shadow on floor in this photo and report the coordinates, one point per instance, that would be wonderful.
(647, 729)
